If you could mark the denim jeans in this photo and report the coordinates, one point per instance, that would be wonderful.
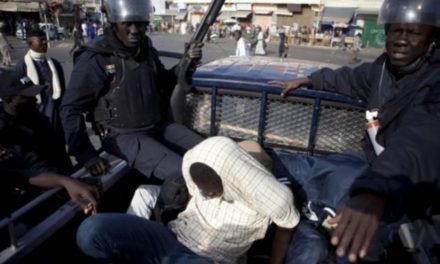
(308, 245)
(127, 238)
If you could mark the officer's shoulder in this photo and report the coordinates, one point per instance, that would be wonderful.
(99, 47)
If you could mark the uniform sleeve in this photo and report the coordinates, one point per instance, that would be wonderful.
(60, 72)
(20, 68)
(410, 159)
(352, 82)
(87, 82)
(16, 170)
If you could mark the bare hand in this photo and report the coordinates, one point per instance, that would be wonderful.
(289, 85)
(97, 166)
(195, 51)
(83, 194)
(357, 224)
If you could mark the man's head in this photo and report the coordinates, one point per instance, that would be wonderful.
(207, 180)
(37, 41)
(18, 93)
(129, 19)
(412, 27)
(237, 34)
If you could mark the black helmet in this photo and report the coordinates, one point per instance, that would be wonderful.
(425, 12)
(128, 10)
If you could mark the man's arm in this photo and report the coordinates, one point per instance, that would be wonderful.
(80, 193)
(352, 82)
(86, 85)
(280, 244)
(404, 174)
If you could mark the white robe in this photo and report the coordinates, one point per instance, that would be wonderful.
(242, 48)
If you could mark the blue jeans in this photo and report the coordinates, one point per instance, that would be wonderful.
(121, 237)
(308, 245)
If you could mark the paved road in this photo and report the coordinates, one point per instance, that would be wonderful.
(222, 48)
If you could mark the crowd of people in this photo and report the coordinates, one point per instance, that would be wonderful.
(227, 193)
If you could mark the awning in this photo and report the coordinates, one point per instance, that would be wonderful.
(263, 12)
(283, 12)
(180, 16)
(241, 14)
(367, 11)
(225, 15)
(19, 7)
(296, 8)
(338, 14)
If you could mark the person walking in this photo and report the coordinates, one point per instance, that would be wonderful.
(283, 47)
(242, 49)
(260, 49)
(5, 46)
(78, 39)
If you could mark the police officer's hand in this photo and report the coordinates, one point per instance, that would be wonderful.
(5, 154)
(357, 223)
(195, 51)
(290, 85)
(97, 166)
(83, 194)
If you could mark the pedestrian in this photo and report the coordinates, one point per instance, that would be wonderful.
(33, 153)
(283, 47)
(44, 70)
(5, 46)
(242, 49)
(356, 48)
(119, 81)
(260, 49)
(400, 89)
(78, 39)
(234, 198)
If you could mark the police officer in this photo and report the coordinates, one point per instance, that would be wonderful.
(31, 152)
(119, 81)
(401, 88)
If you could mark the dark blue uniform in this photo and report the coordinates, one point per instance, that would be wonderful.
(406, 173)
(31, 146)
(409, 111)
(122, 92)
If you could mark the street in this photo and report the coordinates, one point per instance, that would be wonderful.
(223, 47)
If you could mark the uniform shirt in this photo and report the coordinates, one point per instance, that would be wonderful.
(224, 228)
(409, 111)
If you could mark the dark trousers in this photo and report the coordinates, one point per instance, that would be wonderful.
(155, 152)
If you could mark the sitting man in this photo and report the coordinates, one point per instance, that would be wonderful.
(233, 199)
(119, 81)
(32, 153)
(401, 89)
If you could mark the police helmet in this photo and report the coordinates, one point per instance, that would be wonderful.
(128, 10)
(425, 12)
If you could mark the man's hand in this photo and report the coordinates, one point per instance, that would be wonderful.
(357, 224)
(97, 166)
(195, 51)
(290, 85)
(81, 193)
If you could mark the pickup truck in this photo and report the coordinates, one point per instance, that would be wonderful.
(229, 97)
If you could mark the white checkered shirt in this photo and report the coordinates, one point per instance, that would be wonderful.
(223, 229)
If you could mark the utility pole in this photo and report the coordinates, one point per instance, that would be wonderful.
(43, 8)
